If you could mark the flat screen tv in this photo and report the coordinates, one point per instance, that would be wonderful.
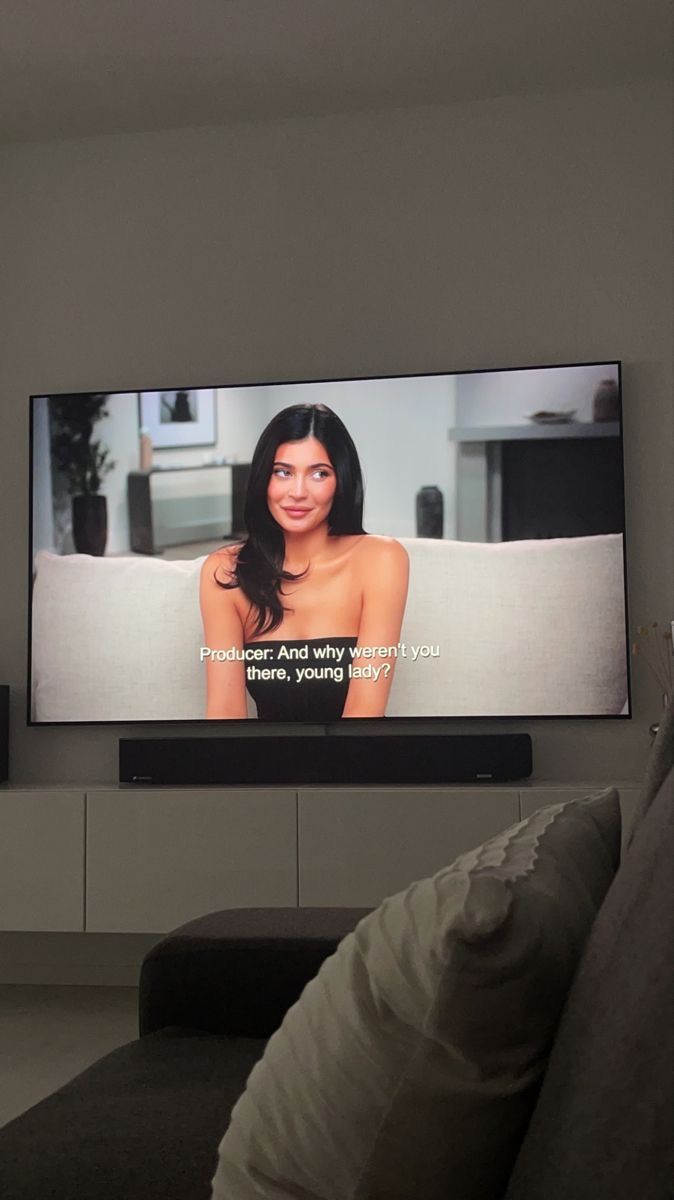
(411, 547)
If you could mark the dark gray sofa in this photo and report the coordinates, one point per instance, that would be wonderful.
(146, 1120)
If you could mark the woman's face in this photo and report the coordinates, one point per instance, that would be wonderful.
(302, 486)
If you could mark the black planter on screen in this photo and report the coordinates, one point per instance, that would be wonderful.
(90, 524)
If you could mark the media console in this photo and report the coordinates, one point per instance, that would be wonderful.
(342, 759)
(99, 859)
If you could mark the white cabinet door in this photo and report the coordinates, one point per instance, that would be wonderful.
(42, 861)
(362, 844)
(158, 858)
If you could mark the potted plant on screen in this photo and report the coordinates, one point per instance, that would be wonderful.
(84, 463)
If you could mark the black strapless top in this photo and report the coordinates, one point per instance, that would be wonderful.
(308, 680)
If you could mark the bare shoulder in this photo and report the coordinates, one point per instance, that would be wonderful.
(382, 551)
(220, 567)
(221, 564)
(223, 607)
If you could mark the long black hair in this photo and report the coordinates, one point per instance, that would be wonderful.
(259, 571)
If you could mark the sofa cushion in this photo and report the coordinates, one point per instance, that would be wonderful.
(497, 611)
(143, 1123)
(602, 1129)
(213, 973)
(660, 763)
(117, 639)
(411, 1063)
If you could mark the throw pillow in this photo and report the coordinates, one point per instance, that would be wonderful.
(411, 1063)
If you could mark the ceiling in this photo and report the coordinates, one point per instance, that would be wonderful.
(73, 68)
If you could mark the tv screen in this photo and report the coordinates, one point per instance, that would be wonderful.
(426, 546)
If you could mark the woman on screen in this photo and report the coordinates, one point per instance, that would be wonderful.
(295, 603)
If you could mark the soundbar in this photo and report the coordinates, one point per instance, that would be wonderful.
(4, 732)
(361, 759)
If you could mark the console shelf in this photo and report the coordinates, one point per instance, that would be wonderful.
(169, 506)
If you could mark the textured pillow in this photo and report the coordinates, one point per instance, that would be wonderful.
(410, 1065)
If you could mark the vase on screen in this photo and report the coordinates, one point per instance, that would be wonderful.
(90, 524)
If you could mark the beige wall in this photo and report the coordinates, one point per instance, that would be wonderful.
(505, 232)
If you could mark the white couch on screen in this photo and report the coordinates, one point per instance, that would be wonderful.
(524, 628)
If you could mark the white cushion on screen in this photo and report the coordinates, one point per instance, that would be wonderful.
(116, 639)
(524, 628)
(535, 627)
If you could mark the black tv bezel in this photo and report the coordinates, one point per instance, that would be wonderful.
(366, 724)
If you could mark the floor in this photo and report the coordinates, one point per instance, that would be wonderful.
(49, 1034)
(192, 549)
